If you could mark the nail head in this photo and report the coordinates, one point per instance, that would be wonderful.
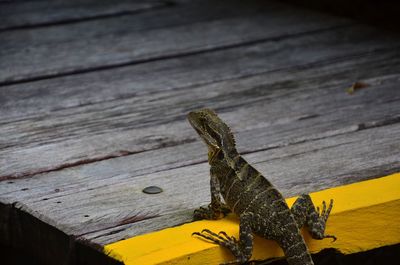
(152, 190)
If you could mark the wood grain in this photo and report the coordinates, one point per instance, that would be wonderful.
(53, 52)
(34, 99)
(27, 14)
(134, 118)
(78, 209)
(320, 124)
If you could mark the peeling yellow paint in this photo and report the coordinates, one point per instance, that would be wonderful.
(365, 215)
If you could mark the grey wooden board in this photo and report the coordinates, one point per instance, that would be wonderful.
(293, 169)
(101, 123)
(325, 138)
(86, 203)
(165, 15)
(16, 14)
(39, 98)
(67, 49)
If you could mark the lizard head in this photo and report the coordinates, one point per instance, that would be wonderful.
(214, 132)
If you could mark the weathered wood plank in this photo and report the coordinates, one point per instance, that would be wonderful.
(138, 122)
(177, 14)
(312, 114)
(35, 99)
(17, 15)
(49, 56)
(293, 169)
(128, 175)
(38, 98)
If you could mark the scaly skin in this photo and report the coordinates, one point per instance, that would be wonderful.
(260, 206)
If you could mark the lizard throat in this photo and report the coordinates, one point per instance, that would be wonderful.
(213, 154)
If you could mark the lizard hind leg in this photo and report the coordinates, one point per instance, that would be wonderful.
(305, 213)
(242, 248)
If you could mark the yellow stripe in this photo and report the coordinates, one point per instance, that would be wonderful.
(365, 215)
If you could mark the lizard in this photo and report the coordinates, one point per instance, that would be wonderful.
(261, 208)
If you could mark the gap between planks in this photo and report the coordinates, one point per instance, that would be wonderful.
(35, 14)
(128, 121)
(84, 203)
(78, 55)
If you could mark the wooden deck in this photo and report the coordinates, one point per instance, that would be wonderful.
(94, 97)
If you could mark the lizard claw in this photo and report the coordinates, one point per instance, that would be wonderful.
(326, 211)
(331, 236)
(229, 238)
(221, 238)
(226, 241)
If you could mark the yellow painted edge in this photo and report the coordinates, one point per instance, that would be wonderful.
(365, 215)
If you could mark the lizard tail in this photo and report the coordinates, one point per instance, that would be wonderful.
(297, 253)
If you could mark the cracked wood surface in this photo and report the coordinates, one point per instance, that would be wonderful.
(68, 49)
(77, 149)
(30, 14)
(134, 111)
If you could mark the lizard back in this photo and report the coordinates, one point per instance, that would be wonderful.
(244, 190)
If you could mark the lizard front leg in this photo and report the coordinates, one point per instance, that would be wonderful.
(216, 209)
(304, 212)
(241, 249)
